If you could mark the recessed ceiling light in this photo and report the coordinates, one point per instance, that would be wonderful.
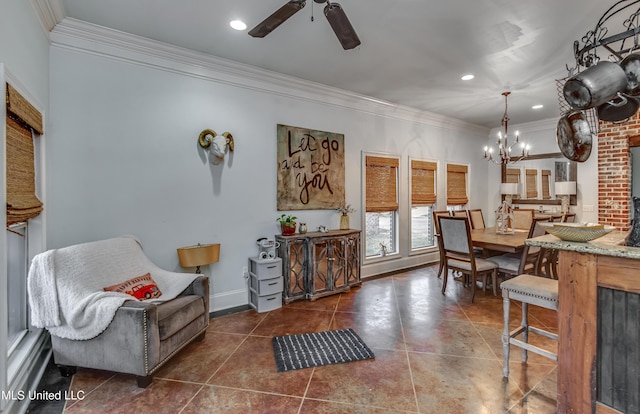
(238, 24)
(539, 106)
(467, 77)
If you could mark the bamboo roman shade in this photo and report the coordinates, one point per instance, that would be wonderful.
(423, 182)
(381, 184)
(22, 118)
(457, 185)
(513, 176)
(546, 184)
(531, 183)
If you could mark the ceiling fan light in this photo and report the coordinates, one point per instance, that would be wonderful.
(341, 26)
(237, 24)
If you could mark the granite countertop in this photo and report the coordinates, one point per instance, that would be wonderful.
(611, 244)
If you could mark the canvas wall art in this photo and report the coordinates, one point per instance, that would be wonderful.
(310, 169)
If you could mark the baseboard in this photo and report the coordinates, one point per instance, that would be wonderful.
(228, 300)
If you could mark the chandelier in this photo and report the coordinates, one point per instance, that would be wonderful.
(507, 153)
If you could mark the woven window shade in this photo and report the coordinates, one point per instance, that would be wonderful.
(457, 185)
(22, 118)
(546, 184)
(513, 175)
(382, 182)
(531, 183)
(423, 182)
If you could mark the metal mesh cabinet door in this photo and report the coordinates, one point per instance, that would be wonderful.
(353, 259)
(293, 252)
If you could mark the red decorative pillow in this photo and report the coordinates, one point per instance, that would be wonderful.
(141, 287)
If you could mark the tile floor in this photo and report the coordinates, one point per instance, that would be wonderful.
(434, 354)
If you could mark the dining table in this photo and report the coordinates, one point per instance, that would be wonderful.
(488, 239)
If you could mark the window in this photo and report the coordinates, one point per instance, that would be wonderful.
(423, 197)
(17, 284)
(23, 123)
(457, 196)
(531, 183)
(381, 205)
(513, 176)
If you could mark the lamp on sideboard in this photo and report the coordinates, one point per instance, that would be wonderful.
(199, 255)
(565, 189)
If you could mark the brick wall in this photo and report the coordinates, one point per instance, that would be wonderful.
(614, 172)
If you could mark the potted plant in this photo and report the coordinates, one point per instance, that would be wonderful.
(287, 224)
(345, 209)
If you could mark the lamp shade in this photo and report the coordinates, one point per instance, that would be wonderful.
(565, 187)
(198, 255)
(509, 188)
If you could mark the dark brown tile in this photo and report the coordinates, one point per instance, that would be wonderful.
(238, 323)
(219, 400)
(449, 384)
(326, 407)
(121, 395)
(199, 360)
(542, 399)
(492, 334)
(382, 331)
(374, 296)
(253, 367)
(384, 382)
(444, 336)
(291, 321)
(327, 303)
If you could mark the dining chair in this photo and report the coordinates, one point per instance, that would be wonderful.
(436, 225)
(459, 255)
(569, 218)
(526, 261)
(477, 220)
(522, 218)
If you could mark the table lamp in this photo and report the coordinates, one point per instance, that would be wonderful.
(198, 255)
(564, 189)
(509, 190)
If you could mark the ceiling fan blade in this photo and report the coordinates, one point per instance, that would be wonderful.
(277, 18)
(341, 26)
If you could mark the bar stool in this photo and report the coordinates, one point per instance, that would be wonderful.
(528, 289)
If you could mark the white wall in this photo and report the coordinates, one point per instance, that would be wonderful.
(123, 157)
(541, 136)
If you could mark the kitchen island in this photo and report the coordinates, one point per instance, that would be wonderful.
(598, 324)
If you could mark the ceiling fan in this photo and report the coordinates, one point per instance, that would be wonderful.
(332, 11)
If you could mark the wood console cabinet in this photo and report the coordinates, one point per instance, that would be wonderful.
(319, 264)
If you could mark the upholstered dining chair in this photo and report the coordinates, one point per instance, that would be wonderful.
(436, 226)
(548, 262)
(522, 218)
(459, 255)
(513, 264)
(461, 213)
(477, 219)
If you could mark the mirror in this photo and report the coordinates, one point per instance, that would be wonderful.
(537, 175)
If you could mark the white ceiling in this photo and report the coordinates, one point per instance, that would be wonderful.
(413, 52)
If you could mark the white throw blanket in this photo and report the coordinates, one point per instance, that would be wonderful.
(66, 285)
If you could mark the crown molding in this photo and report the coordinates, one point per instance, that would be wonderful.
(89, 38)
(49, 12)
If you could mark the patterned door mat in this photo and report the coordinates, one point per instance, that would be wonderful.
(319, 348)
